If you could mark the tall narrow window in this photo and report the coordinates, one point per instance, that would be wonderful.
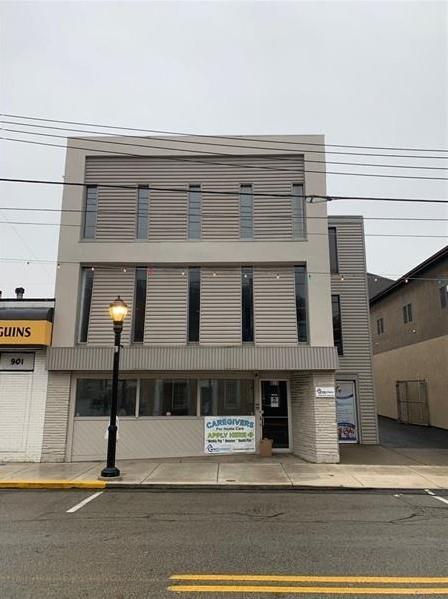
(194, 212)
(90, 213)
(247, 307)
(246, 212)
(301, 303)
(194, 303)
(407, 313)
(138, 329)
(333, 243)
(443, 295)
(142, 212)
(298, 212)
(337, 323)
(380, 326)
(86, 300)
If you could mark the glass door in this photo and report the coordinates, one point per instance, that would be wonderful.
(274, 403)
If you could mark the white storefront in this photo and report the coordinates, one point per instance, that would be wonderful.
(25, 331)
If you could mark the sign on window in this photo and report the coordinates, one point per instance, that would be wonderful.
(230, 434)
(346, 412)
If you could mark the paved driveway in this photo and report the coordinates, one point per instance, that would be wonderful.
(395, 434)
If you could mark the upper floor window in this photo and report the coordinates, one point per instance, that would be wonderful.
(380, 326)
(333, 245)
(246, 212)
(337, 323)
(142, 212)
(407, 313)
(86, 301)
(138, 328)
(194, 212)
(444, 295)
(90, 212)
(194, 303)
(298, 206)
(301, 303)
(247, 307)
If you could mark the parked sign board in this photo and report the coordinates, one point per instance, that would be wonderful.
(324, 391)
(346, 412)
(229, 434)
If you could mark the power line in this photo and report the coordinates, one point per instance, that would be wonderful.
(208, 162)
(223, 192)
(230, 137)
(209, 153)
(309, 234)
(136, 212)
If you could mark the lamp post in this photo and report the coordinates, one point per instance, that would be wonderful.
(117, 311)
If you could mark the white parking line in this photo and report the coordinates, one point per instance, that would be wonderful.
(82, 503)
(442, 499)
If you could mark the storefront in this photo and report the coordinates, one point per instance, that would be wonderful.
(25, 333)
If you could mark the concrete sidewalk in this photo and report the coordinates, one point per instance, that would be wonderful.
(361, 467)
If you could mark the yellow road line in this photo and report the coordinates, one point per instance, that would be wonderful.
(309, 590)
(52, 484)
(287, 578)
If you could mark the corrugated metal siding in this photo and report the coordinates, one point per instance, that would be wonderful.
(144, 358)
(166, 307)
(56, 417)
(275, 306)
(107, 284)
(117, 211)
(353, 292)
(168, 210)
(220, 306)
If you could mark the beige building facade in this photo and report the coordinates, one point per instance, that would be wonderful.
(409, 321)
(221, 253)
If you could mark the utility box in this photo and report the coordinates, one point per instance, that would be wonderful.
(266, 448)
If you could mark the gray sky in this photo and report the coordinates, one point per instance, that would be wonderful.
(365, 73)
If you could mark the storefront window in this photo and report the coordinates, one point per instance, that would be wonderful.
(226, 397)
(94, 396)
(168, 398)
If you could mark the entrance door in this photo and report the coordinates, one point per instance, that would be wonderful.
(274, 402)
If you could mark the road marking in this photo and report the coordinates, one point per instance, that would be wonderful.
(82, 503)
(288, 578)
(442, 499)
(309, 590)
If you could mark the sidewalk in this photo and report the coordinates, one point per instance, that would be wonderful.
(361, 467)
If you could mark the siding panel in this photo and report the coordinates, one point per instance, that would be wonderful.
(274, 306)
(220, 306)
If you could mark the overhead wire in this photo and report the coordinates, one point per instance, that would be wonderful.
(229, 137)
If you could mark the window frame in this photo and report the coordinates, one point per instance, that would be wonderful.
(194, 188)
(296, 211)
(333, 235)
(250, 211)
(85, 224)
(142, 222)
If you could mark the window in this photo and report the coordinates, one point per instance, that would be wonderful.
(168, 398)
(333, 243)
(407, 313)
(94, 397)
(138, 329)
(86, 300)
(194, 303)
(90, 213)
(247, 308)
(337, 323)
(380, 326)
(298, 212)
(301, 308)
(194, 212)
(444, 295)
(226, 397)
(142, 212)
(246, 212)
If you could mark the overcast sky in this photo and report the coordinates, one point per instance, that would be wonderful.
(362, 73)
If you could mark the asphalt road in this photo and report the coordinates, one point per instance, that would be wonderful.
(129, 543)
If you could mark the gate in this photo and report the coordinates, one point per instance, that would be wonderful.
(412, 402)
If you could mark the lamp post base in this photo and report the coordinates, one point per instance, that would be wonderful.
(110, 472)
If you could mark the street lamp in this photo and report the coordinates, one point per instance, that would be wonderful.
(117, 312)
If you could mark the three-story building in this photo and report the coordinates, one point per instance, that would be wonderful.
(237, 307)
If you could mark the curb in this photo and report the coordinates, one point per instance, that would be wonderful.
(52, 484)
